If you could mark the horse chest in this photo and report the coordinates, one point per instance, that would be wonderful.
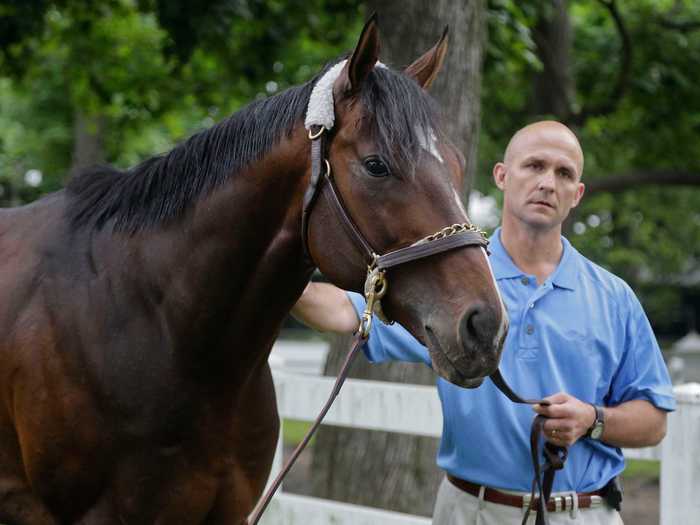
(135, 464)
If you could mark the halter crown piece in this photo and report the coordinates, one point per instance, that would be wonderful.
(320, 111)
(321, 108)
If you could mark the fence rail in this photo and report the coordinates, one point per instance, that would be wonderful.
(415, 409)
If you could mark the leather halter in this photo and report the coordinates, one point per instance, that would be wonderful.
(448, 238)
(429, 245)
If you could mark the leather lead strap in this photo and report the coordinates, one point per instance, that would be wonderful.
(498, 380)
(342, 375)
(554, 455)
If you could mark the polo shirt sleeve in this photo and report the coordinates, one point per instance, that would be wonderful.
(389, 342)
(642, 373)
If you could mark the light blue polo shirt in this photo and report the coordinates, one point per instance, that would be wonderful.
(583, 332)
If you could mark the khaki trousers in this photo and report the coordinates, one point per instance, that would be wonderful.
(456, 507)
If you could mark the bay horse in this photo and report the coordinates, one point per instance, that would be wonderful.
(138, 307)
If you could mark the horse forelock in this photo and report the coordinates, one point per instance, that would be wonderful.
(401, 117)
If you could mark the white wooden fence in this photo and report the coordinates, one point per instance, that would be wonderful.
(416, 410)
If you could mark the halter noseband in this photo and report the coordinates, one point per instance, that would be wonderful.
(445, 239)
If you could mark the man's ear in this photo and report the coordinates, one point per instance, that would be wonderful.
(579, 194)
(363, 59)
(425, 69)
(499, 175)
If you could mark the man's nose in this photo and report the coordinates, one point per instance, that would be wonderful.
(546, 181)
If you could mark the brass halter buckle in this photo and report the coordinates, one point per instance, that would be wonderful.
(375, 288)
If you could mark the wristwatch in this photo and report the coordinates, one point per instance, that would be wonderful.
(595, 431)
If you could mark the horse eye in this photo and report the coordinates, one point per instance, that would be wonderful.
(376, 167)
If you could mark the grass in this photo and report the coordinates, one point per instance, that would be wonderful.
(637, 468)
(293, 431)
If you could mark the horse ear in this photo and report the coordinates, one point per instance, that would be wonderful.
(364, 57)
(425, 69)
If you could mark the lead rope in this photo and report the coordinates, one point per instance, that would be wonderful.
(375, 288)
(554, 455)
(342, 375)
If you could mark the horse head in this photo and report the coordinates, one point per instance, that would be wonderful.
(398, 178)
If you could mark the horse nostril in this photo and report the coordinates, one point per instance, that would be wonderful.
(478, 326)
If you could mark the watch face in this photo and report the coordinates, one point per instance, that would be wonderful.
(597, 431)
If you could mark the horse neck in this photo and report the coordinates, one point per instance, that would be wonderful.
(231, 271)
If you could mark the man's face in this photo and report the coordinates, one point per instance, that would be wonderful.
(541, 176)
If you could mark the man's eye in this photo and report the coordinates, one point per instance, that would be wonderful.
(376, 167)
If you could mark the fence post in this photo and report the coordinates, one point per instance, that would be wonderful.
(680, 460)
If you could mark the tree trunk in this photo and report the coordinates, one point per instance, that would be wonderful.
(380, 469)
(409, 28)
(553, 87)
(88, 148)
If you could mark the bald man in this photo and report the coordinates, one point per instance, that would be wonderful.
(578, 337)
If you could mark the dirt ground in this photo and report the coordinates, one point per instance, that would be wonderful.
(641, 501)
(640, 505)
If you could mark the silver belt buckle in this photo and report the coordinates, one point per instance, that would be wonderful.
(569, 498)
(559, 502)
(596, 501)
(526, 501)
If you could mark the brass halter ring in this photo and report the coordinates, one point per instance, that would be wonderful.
(314, 136)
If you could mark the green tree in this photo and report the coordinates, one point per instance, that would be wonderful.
(121, 80)
(622, 75)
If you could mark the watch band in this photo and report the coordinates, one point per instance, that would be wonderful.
(595, 431)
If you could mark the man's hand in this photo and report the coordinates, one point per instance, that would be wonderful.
(569, 418)
(634, 423)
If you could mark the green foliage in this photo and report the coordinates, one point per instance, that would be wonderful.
(154, 71)
(650, 235)
(641, 468)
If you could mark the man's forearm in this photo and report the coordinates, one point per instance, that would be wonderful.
(325, 308)
(635, 423)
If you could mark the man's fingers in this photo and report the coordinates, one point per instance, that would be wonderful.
(558, 398)
(559, 432)
(553, 411)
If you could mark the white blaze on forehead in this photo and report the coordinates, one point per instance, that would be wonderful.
(504, 313)
(428, 142)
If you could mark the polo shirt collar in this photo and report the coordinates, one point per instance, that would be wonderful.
(565, 275)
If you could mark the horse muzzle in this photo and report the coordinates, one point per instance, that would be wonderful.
(466, 354)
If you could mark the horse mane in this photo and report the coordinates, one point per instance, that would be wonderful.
(163, 187)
